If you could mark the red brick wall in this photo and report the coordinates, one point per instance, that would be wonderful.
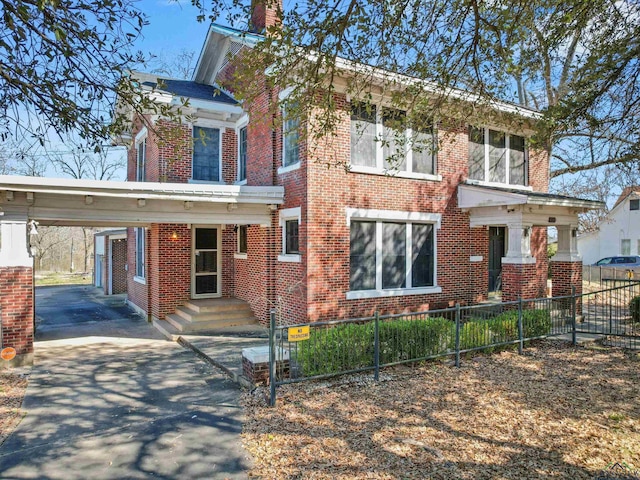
(169, 267)
(566, 275)
(118, 272)
(16, 303)
(252, 274)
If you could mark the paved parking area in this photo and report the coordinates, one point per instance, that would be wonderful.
(105, 405)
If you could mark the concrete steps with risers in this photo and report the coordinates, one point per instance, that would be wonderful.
(209, 314)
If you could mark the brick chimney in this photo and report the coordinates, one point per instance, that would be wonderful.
(264, 14)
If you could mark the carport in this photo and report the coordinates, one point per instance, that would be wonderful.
(26, 202)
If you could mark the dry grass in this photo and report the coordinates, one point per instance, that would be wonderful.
(12, 388)
(556, 412)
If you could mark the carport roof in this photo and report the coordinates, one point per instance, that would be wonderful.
(55, 201)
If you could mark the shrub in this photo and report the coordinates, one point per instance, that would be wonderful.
(474, 334)
(535, 323)
(634, 309)
(351, 346)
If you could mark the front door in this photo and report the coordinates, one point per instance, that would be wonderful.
(205, 262)
(496, 252)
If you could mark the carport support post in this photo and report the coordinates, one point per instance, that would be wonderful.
(16, 289)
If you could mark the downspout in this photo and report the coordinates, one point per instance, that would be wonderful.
(271, 275)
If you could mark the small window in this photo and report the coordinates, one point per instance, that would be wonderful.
(141, 160)
(206, 154)
(140, 244)
(291, 243)
(290, 137)
(242, 154)
(625, 247)
(634, 204)
(242, 239)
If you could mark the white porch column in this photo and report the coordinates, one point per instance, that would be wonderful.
(567, 244)
(14, 243)
(519, 244)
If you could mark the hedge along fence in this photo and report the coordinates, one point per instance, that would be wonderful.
(365, 344)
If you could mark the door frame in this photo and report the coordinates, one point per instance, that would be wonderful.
(491, 254)
(218, 266)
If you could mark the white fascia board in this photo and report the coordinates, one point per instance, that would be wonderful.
(211, 105)
(472, 197)
(566, 202)
(146, 190)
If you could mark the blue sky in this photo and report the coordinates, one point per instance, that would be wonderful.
(173, 27)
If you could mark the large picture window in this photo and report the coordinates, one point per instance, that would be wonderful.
(206, 154)
(383, 139)
(497, 157)
(388, 255)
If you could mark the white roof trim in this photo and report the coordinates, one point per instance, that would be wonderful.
(145, 190)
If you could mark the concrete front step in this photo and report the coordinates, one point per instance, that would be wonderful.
(186, 326)
(216, 305)
(242, 311)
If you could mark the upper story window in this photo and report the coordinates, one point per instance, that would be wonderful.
(634, 204)
(497, 157)
(382, 139)
(290, 136)
(242, 154)
(206, 154)
(141, 160)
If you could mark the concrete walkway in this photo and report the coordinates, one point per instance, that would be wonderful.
(108, 407)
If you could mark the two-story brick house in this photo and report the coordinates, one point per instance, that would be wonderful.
(451, 222)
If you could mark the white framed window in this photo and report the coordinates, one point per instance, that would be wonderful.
(241, 241)
(392, 253)
(625, 246)
(242, 155)
(207, 154)
(141, 155)
(497, 157)
(140, 254)
(290, 137)
(383, 141)
(290, 219)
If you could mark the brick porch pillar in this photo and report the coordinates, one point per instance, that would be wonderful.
(519, 272)
(16, 292)
(566, 265)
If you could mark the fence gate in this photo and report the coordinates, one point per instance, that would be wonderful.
(609, 313)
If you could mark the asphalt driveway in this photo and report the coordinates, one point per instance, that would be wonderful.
(105, 405)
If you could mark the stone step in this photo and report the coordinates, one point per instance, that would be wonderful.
(184, 326)
(216, 305)
(166, 329)
(194, 316)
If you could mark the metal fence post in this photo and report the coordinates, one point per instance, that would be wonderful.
(573, 315)
(272, 357)
(457, 335)
(376, 347)
(520, 329)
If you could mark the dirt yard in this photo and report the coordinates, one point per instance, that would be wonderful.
(12, 388)
(556, 412)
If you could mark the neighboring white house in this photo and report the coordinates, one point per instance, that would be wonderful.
(618, 233)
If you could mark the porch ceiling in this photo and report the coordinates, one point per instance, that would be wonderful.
(66, 202)
(501, 206)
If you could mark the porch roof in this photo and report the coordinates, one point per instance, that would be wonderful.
(490, 205)
(55, 201)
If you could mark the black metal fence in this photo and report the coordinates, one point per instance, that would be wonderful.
(325, 349)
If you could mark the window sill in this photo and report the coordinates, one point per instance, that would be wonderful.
(358, 294)
(140, 280)
(289, 168)
(240, 182)
(482, 183)
(395, 173)
(292, 258)
(240, 256)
